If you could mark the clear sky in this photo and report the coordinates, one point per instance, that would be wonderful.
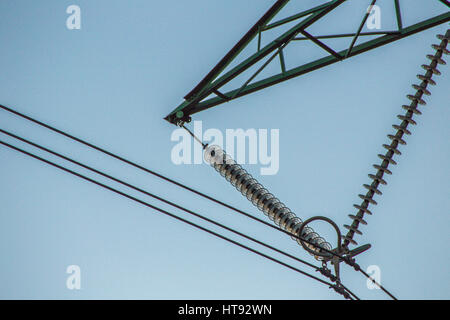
(113, 81)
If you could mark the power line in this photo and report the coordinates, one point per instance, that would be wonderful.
(156, 197)
(322, 270)
(169, 214)
(115, 156)
(377, 284)
(133, 164)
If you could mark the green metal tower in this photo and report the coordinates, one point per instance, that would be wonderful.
(209, 93)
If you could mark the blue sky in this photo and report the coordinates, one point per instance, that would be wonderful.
(113, 81)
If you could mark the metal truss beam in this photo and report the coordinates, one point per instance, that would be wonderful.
(196, 100)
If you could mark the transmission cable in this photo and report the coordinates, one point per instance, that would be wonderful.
(156, 197)
(322, 270)
(133, 164)
(177, 218)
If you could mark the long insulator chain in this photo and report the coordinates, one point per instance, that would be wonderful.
(262, 198)
(397, 138)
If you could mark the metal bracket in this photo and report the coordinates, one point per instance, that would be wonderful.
(335, 260)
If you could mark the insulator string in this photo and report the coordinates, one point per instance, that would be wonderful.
(397, 138)
(261, 198)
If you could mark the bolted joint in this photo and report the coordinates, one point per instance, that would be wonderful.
(352, 263)
(339, 289)
(327, 273)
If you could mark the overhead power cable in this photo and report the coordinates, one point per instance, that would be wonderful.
(133, 164)
(155, 197)
(333, 286)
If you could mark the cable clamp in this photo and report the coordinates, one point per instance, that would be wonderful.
(339, 289)
(327, 273)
